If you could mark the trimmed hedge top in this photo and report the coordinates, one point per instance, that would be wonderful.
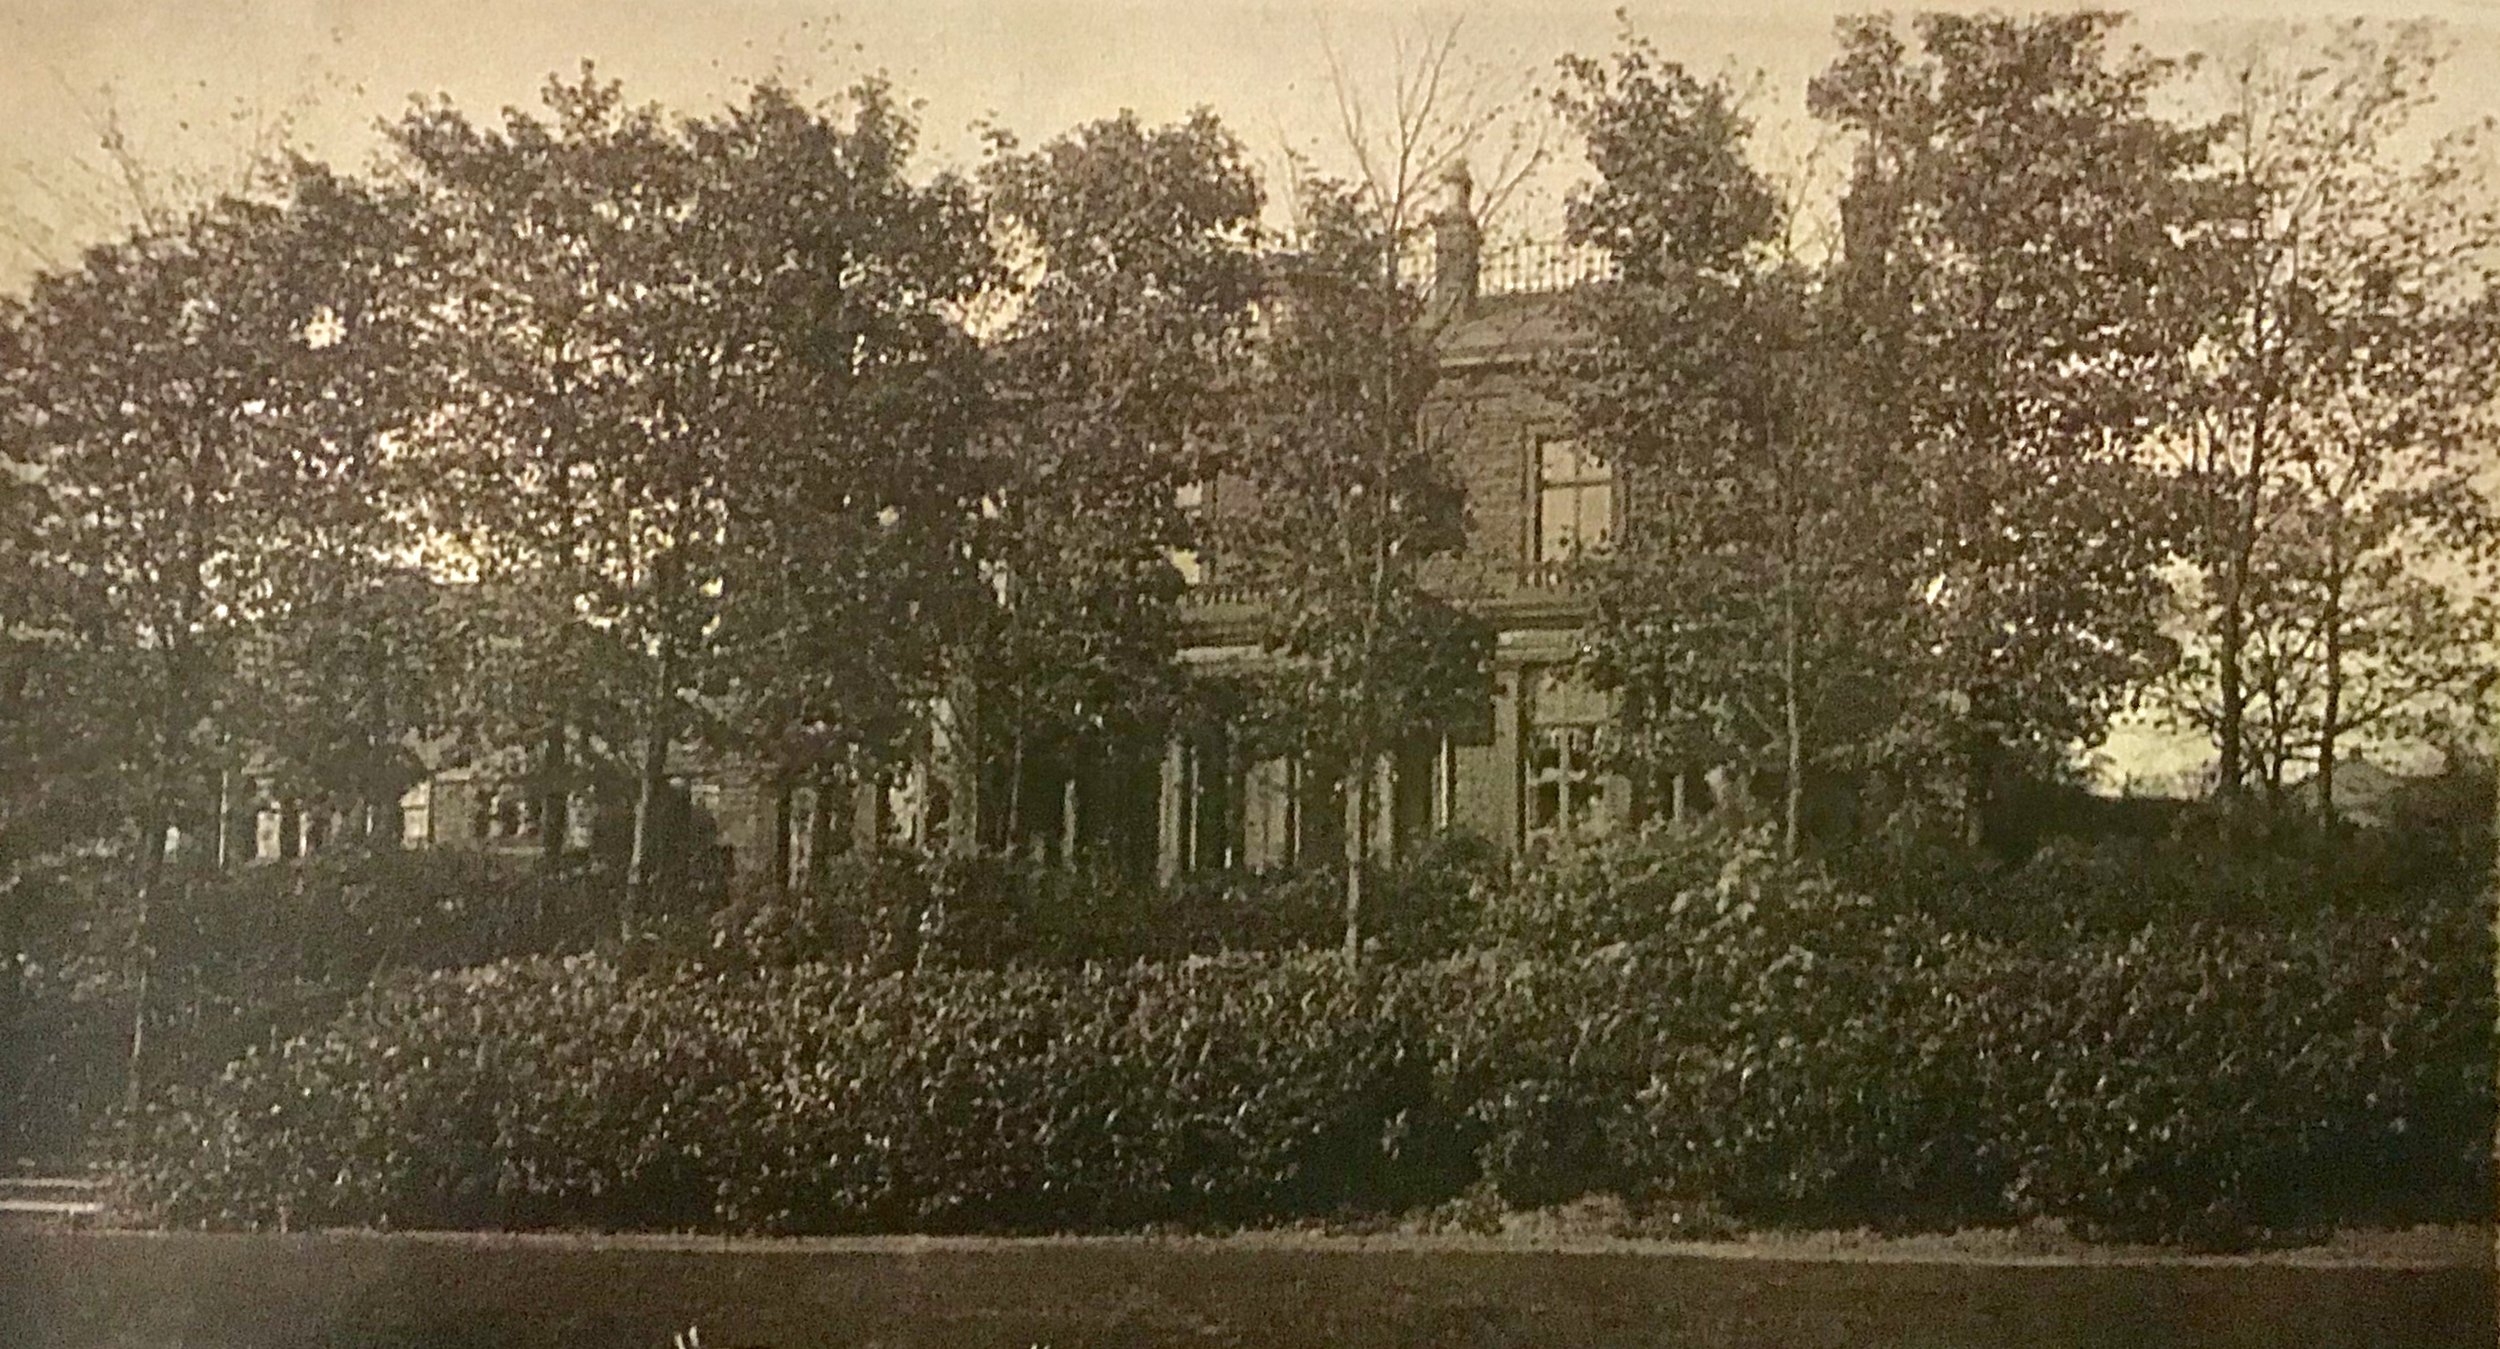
(1775, 1051)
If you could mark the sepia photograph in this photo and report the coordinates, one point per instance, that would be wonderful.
(1160, 674)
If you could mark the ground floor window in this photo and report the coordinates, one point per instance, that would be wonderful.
(1566, 796)
(416, 811)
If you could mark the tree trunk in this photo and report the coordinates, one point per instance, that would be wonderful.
(963, 769)
(1067, 818)
(152, 825)
(820, 836)
(1793, 729)
(2231, 728)
(14, 995)
(2330, 719)
(555, 799)
(1357, 799)
(225, 818)
(1979, 785)
(1015, 791)
(1793, 808)
(2230, 762)
(642, 868)
(785, 824)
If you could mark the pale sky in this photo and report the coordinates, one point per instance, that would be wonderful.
(184, 71)
(190, 78)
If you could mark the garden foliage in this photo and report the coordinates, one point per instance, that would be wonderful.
(221, 962)
(1769, 1046)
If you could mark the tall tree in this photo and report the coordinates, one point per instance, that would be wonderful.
(341, 670)
(2348, 378)
(188, 410)
(186, 398)
(2015, 233)
(703, 387)
(1753, 610)
(59, 792)
(1352, 494)
(860, 483)
(1132, 317)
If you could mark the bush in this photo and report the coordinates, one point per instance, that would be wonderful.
(1773, 1049)
(524, 1094)
(2431, 855)
(994, 910)
(1845, 1084)
(1666, 885)
(1434, 902)
(2272, 1080)
(564, 1093)
(239, 956)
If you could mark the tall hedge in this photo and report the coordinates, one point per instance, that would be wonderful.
(234, 958)
(2183, 1083)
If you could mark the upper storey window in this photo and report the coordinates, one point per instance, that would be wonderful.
(1190, 500)
(1575, 501)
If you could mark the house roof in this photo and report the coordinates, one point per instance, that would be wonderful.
(1503, 329)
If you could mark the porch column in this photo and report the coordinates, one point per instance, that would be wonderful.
(1267, 814)
(1171, 810)
(868, 812)
(1383, 825)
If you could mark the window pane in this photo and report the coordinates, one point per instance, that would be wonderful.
(1544, 807)
(1589, 814)
(1558, 461)
(1557, 527)
(1597, 515)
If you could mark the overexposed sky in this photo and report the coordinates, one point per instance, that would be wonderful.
(191, 79)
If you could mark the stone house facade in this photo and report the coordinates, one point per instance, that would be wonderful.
(1522, 774)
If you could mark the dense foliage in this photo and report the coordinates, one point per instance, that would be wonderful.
(225, 962)
(985, 910)
(571, 440)
(1771, 1048)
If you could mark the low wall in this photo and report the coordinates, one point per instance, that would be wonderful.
(143, 1291)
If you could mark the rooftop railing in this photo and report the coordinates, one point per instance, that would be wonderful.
(1540, 268)
(1529, 267)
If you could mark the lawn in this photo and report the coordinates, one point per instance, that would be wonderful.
(146, 1291)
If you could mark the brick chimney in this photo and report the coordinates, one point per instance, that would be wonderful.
(1457, 245)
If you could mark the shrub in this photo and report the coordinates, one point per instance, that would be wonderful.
(995, 910)
(1239, 910)
(1849, 1082)
(2205, 1083)
(2431, 855)
(522, 1094)
(1535, 1061)
(1201, 1091)
(1433, 903)
(1772, 1050)
(1659, 884)
(545, 1093)
(866, 907)
(240, 956)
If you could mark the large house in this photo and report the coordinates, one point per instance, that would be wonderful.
(1521, 773)
(1523, 770)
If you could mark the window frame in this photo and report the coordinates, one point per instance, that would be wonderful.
(1581, 785)
(1577, 487)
